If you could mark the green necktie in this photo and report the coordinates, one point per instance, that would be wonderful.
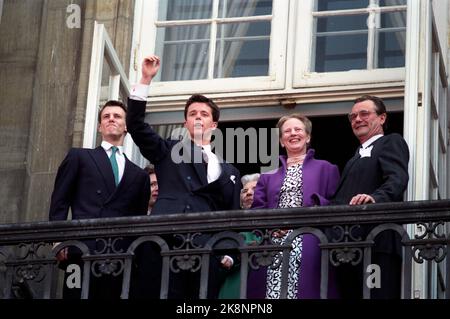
(114, 165)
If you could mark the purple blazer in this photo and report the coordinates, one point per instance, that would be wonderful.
(320, 179)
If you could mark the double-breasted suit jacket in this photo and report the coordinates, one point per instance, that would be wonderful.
(182, 178)
(184, 188)
(383, 174)
(85, 183)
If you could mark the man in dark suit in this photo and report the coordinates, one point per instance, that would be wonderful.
(97, 183)
(186, 183)
(377, 173)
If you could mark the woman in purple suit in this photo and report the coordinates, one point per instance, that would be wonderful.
(300, 181)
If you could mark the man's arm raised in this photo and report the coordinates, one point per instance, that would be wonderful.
(150, 67)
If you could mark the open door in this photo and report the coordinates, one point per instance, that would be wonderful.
(107, 81)
(426, 132)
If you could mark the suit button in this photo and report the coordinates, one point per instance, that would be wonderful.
(99, 191)
(188, 206)
(188, 178)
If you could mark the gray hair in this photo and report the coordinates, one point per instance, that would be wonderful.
(250, 178)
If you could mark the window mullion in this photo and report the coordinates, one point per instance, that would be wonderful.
(372, 24)
(222, 42)
(212, 39)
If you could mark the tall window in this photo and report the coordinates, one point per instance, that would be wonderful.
(220, 40)
(354, 35)
(201, 41)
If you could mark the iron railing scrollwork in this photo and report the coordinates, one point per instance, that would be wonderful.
(186, 242)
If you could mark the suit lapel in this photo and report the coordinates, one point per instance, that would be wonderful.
(348, 166)
(129, 173)
(104, 166)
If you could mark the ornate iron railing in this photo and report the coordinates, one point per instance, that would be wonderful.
(29, 268)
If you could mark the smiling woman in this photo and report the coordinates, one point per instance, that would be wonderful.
(300, 181)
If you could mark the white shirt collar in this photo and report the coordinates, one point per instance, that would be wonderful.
(107, 146)
(371, 140)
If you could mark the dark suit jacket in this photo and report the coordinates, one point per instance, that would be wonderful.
(383, 175)
(183, 185)
(85, 183)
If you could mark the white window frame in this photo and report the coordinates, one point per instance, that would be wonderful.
(102, 48)
(304, 48)
(145, 41)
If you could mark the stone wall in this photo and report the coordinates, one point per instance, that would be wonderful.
(44, 69)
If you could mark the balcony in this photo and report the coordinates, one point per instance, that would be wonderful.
(29, 268)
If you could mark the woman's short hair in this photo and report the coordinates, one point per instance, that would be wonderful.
(250, 178)
(298, 116)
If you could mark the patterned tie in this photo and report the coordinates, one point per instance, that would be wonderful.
(114, 165)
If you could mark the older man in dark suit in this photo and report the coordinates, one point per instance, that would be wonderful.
(377, 173)
(191, 178)
(96, 183)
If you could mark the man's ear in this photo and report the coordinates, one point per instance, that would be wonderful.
(214, 125)
(99, 128)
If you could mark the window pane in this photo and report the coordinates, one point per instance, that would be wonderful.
(242, 49)
(244, 8)
(184, 50)
(325, 5)
(341, 53)
(387, 3)
(393, 20)
(391, 51)
(342, 23)
(184, 9)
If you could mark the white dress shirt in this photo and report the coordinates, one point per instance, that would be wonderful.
(214, 169)
(366, 148)
(120, 157)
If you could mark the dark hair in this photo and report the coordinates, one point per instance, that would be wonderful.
(150, 169)
(380, 107)
(111, 103)
(198, 98)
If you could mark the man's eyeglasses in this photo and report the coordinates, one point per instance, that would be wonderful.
(363, 115)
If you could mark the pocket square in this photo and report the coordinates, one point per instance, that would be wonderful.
(233, 179)
(366, 152)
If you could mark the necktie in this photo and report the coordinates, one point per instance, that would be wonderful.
(114, 165)
(205, 160)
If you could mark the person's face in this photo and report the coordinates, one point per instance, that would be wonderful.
(153, 190)
(112, 124)
(199, 122)
(365, 121)
(294, 137)
(247, 193)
